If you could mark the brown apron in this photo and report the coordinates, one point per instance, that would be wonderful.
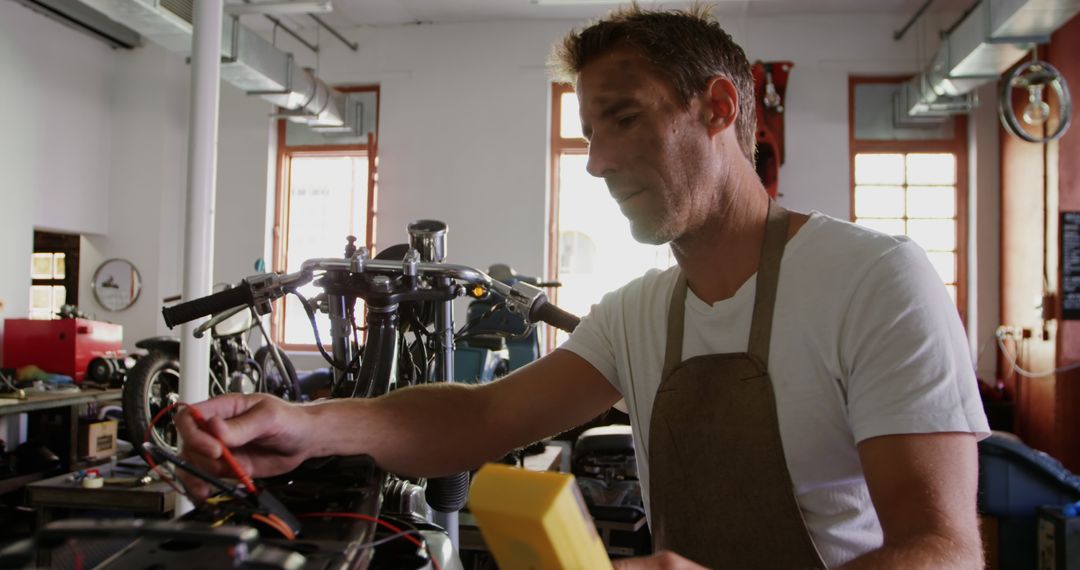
(720, 490)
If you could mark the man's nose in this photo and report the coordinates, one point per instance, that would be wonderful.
(601, 159)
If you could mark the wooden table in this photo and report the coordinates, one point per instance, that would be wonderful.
(44, 401)
(60, 492)
(47, 400)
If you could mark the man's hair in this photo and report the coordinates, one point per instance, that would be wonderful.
(686, 46)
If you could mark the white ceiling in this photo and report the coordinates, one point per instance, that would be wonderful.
(348, 13)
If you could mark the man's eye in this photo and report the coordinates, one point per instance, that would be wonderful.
(627, 120)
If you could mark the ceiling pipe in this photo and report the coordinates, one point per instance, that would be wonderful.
(899, 34)
(249, 62)
(989, 39)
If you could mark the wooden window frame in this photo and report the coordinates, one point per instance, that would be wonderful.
(68, 244)
(958, 146)
(559, 146)
(285, 153)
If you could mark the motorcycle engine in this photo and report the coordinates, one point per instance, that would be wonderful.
(240, 382)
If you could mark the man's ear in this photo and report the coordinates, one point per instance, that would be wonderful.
(721, 108)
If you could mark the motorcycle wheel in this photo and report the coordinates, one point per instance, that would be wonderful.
(278, 384)
(152, 385)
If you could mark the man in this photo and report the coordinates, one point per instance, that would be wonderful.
(799, 388)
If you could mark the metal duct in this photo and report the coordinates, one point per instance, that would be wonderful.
(249, 62)
(990, 39)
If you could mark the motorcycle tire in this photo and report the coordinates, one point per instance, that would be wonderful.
(277, 384)
(150, 386)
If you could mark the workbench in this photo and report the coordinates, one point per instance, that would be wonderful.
(39, 402)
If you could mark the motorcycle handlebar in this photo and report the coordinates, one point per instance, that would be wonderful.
(203, 306)
(553, 315)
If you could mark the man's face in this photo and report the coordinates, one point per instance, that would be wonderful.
(649, 150)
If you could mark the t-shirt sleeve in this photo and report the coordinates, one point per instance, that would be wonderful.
(904, 352)
(593, 340)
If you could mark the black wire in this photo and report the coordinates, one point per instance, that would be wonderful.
(165, 456)
(318, 339)
(315, 327)
(472, 322)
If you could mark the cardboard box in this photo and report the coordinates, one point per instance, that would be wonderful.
(97, 440)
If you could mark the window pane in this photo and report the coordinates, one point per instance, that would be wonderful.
(59, 260)
(931, 169)
(879, 201)
(59, 297)
(570, 119)
(41, 302)
(945, 264)
(931, 202)
(879, 169)
(596, 251)
(933, 235)
(327, 202)
(41, 266)
(892, 227)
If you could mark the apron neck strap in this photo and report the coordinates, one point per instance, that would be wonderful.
(676, 314)
(772, 251)
(768, 274)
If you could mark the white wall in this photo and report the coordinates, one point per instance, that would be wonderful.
(55, 151)
(463, 120)
(149, 106)
(465, 110)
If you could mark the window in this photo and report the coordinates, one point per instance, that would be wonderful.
(54, 274)
(590, 249)
(326, 192)
(911, 182)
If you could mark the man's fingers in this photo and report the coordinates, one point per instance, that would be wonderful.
(238, 431)
(195, 439)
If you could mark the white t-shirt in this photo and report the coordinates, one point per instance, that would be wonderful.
(865, 342)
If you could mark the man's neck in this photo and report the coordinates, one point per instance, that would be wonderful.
(724, 253)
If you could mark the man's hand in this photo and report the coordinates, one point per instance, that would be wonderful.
(268, 436)
(663, 560)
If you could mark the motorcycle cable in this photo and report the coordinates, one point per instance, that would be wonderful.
(318, 339)
(472, 322)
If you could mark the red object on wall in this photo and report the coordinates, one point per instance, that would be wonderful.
(63, 346)
(770, 96)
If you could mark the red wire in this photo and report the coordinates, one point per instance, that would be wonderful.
(393, 528)
(225, 453)
(150, 460)
(80, 558)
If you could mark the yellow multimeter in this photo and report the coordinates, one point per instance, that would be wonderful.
(535, 519)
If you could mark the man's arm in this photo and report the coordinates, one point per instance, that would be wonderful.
(923, 487)
(445, 428)
(423, 431)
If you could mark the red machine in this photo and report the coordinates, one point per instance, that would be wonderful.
(63, 346)
(770, 91)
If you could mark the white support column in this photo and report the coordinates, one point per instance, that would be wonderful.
(202, 172)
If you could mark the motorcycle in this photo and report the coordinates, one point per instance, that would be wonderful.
(153, 383)
(496, 340)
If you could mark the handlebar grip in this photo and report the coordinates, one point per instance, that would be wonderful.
(208, 305)
(553, 315)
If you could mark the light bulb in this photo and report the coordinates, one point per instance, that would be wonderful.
(1037, 111)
